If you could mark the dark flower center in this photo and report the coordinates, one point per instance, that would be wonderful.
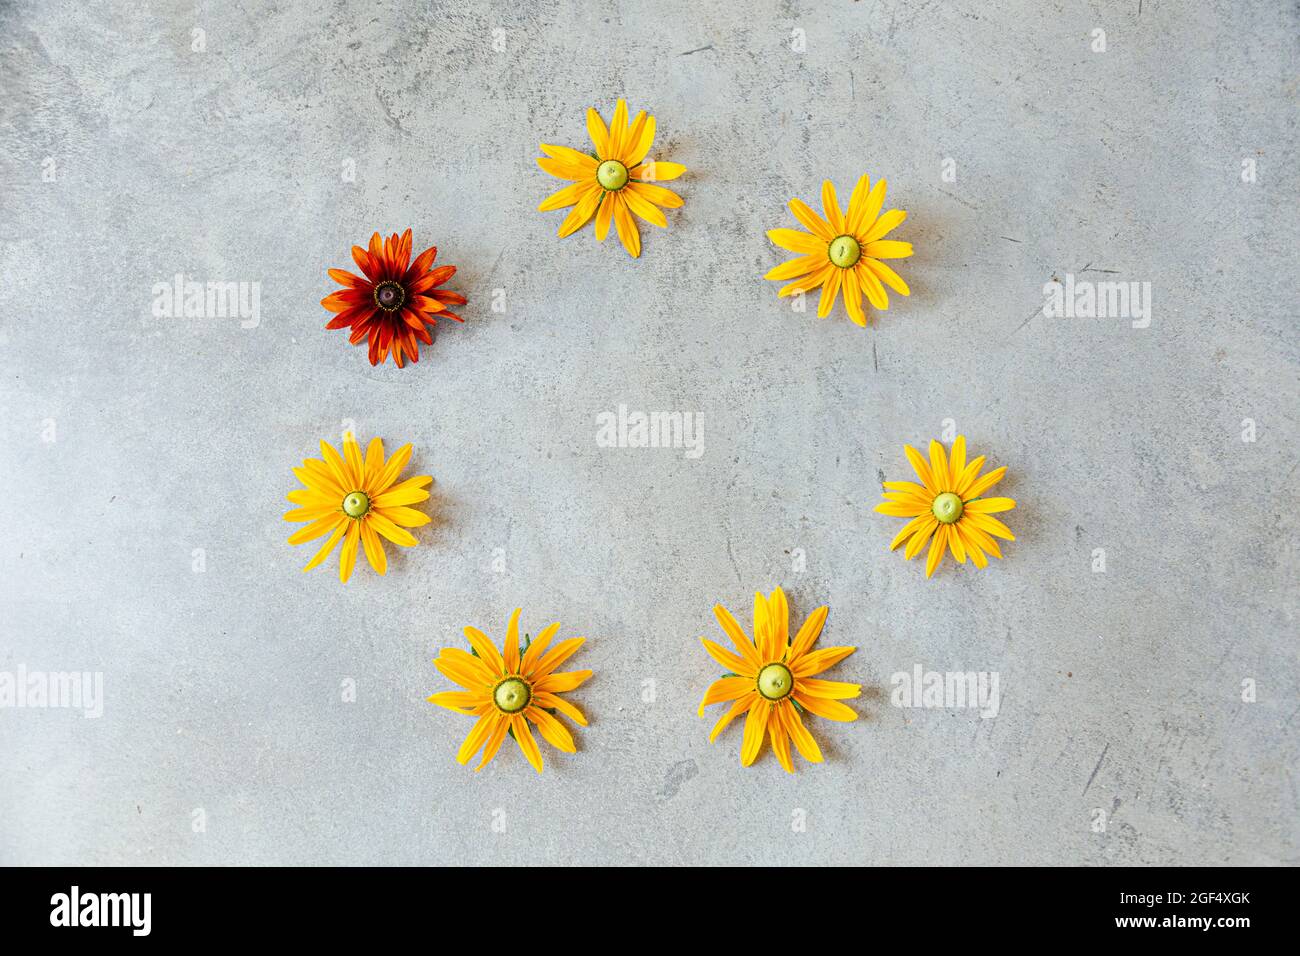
(389, 296)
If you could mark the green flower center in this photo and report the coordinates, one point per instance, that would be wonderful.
(389, 296)
(775, 681)
(844, 251)
(947, 507)
(512, 695)
(612, 175)
(356, 504)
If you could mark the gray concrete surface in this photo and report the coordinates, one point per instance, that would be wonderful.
(139, 448)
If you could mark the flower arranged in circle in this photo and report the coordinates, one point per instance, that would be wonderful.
(615, 181)
(357, 501)
(396, 300)
(772, 680)
(946, 508)
(507, 690)
(842, 252)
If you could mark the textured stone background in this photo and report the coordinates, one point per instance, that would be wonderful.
(1120, 691)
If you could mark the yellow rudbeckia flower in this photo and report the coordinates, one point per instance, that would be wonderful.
(508, 690)
(842, 252)
(614, 182)
(357, 501)
(772, 680)
(946, 508)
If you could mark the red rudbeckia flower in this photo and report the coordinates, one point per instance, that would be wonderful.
(395, 302)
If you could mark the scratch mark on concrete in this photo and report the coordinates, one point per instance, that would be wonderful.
(389, 118)
(1095, 769)
(698, 49)
(875, 360)
(678, 774)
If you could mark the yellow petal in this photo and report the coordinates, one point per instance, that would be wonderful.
(603, 216)
(553, 702)
(939, 467)
(910, 529)
(556, 656)
(796, 241)
(394, 468)
(793, 268)
(870, 209)
(857, 200)
(739, 707)
(888, 249)
(478, 735)
(870, 283)
(778, 619)
(762, 628)
(853, 297)
(808, 633)
(524, 736)
(639, 144)
(827, 689)
(565, 197)
(536, 649)
(325, 550)
(730, 661)
(830, 290)
(780, 739)
(811, 221)
(803, 741)
(956, 546)
(882, 226)
(459, 701)
(884, 274)
(921, 536)
(989, 506)
(989, 525)
(817, 661)
(656, 171)
(921, 468)
(627, 231)
(374, 462)
(570, 157)
(493, 742)
(374, 550)
(337, 468)
(487, 651)
(656, 194)
(348, 555)
(617, 130)
(598, 132)
(396, 497)
(831, 208)
(644, 208)
(562, 170)
(583, 211)
(391, 531)
(829, 709)
(755, 728)
(321, 526)
(511, 656)
(555, 733)
(561, 682)
(352, 456)
(726, 689)
(938, 544)
(957, 460)
(900, 509)
(743, 644)
(983, 484)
